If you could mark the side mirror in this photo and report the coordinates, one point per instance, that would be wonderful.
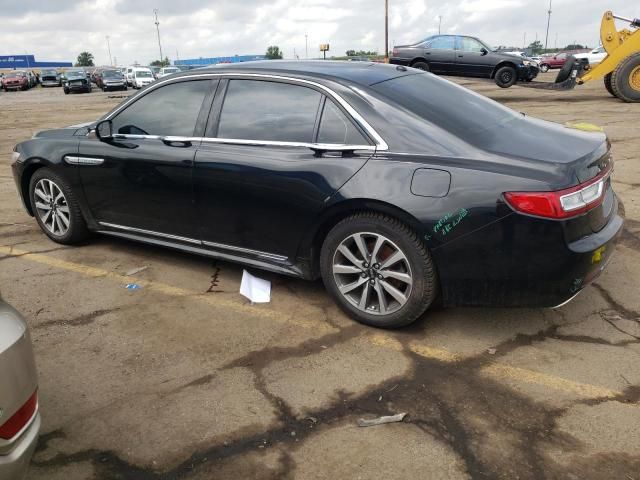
(104, 130)
(484, 51)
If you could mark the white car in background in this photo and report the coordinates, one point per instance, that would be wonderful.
(128, 75)
(167, 71)
(595, 56)
(141, 77)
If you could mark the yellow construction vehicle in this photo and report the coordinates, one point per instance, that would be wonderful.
(620, 68)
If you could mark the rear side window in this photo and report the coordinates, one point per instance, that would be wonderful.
(442, 43)
(336, 128)
(171, 110)
(270, 111)
(456, 109)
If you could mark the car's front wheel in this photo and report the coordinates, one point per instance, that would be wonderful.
(56, 209)
(378, 270)
(506, 76)
(544, 68)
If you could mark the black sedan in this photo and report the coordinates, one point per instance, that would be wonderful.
(395, 186)
(465, 56)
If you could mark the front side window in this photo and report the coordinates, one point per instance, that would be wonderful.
(468, 44)
(336, 128)
(171, 110)
(269, 111)
(442, 43)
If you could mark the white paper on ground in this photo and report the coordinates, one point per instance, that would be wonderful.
(255, 289)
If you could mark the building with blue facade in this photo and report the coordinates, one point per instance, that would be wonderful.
(25, 62)
(215, 60)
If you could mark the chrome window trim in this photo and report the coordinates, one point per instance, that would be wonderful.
(221, 246)
(380, 143)
(74, 160)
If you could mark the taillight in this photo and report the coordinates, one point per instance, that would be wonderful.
(18, 420)
(561, 204)
(395, 52)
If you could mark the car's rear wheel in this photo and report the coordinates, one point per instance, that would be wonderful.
(544, 68)
(506, 76)
(421, 66)
(378, 270)
(56, 208)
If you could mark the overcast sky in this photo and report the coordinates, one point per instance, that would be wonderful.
(59, 30)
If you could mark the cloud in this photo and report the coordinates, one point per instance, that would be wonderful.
(60, 30)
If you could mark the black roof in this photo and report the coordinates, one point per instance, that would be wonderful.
(364, 73)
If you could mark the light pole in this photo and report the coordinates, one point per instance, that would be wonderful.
(155, 12)
(546, 40)
(439, 23)
(524, 41)
(306, 46)
(386, 31)
(109, 49)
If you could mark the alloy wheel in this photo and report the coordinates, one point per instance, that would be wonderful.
(372, 273)
(52, 207)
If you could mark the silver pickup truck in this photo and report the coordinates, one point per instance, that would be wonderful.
(19, 413)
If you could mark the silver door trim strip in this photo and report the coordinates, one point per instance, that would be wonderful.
(72, 160)
(381, 144)
(327, 147)
(257, 253)
(151, 232)
(221, 246)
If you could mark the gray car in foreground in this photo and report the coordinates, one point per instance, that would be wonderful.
(19, 414)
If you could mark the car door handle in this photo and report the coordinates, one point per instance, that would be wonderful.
(180, 142)
(460, 56)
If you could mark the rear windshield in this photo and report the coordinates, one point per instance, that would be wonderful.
(456, 109)
(142, 74)
(112, 74)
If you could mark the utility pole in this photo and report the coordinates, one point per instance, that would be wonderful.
(155, 12)
(524, 41)
(109, 49)
(386, 31)
(546, 40)
(439, 23)
(306, 46)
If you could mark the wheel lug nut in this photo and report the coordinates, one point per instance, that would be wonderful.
(365, 265)
(364, 274)
(380, 276)
(376, 266)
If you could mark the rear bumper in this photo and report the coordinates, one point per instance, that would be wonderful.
(522, 262)
(13, 466)
(400, 61)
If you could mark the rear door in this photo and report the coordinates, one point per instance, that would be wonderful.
(261, 175)
(142, 180)
(440, 54)
(473, 58)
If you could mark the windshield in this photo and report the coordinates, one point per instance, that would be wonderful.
(170, 70)
(112, 74)
(49, 73)
(456, 109)
(75, 74)
(143, 74)
(17, 73)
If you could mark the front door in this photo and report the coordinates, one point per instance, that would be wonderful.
(142, 180)
(277, 151)
(473, 59)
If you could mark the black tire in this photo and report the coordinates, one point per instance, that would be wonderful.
(66, 91)
(421, 66)
(423, 290)
(77, 231)
(544, 68)
(506, 76)
(125, 88)
(625, 79)
(607, 84)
